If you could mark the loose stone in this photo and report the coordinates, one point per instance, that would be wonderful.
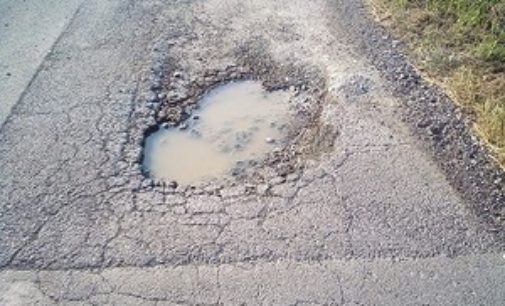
(152, 97)
(172, 184)
(277, 180)
(147, 183)
(292, 177)
(262, 189)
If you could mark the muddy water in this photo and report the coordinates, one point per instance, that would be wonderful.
(237, 124)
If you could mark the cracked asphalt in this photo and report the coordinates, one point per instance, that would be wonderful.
(373, 219)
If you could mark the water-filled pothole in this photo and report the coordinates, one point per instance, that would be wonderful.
(236, 124)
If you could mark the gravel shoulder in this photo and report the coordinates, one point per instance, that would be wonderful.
(443, 128)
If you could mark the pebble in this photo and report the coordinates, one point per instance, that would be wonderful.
(262, 189)
(156, 85)
(292, 177)
(147, 183)
(172, 184)
(277, 180)
(183, 127)
(151, 106)
(436, 129)
(270, 140)
(152, 97)
(423, 123)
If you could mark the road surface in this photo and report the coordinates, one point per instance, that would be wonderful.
(374, 218)
(29, 30)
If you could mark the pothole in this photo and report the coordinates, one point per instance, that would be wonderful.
(235, 125)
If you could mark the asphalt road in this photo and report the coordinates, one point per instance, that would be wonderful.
(373, 220)
(29, 30)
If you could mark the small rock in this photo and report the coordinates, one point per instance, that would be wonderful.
(270, 140)
(292, 177)
(277, 180)
(156, 86)
(165, 125)
(177, 74)
(147, 183)
(423, 123)
(196, 117)
(172, 184)
(183, 127)
(436, 129)
(236, 171)
(262, 189)
(151, 106)
(8, 74)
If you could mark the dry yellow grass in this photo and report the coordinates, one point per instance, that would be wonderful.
(443, 56)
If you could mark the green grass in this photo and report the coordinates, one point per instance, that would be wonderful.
(461, 45)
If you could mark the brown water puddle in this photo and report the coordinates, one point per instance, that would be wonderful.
(237, 123)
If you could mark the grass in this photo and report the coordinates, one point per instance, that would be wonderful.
(461, 45)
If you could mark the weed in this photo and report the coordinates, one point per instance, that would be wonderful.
(460, 44)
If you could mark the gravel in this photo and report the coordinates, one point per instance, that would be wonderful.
(444, 130)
